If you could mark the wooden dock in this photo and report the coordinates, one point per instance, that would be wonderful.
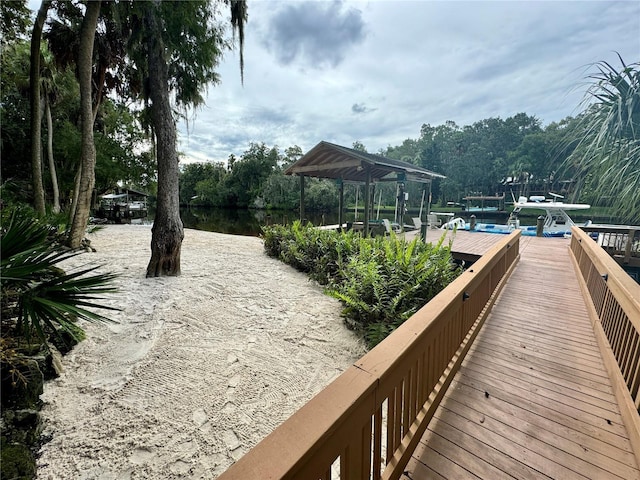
(532, 398)
(468, 246)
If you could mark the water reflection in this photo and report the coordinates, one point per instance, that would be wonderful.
(246, 222)
(249, 222)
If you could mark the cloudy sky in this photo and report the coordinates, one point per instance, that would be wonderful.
(376, 71)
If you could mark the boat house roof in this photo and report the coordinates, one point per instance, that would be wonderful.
(124, 192)
(327, 160)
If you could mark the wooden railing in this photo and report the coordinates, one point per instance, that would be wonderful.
(367, 422)
(614, 306)
(620, 242)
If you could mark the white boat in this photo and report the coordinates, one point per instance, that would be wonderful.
(557, 223)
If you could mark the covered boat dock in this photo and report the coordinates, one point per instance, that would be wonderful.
(346, 165)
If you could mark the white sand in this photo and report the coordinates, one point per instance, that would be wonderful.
(199, 368)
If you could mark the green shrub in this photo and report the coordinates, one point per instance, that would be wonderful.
(381, 281)
(319, 253)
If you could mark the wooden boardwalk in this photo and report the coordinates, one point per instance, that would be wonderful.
(467, 245)
(532, 399)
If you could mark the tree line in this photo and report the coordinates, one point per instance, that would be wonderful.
(494, 156)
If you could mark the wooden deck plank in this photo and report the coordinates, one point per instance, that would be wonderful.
(545, 368)
(473, 400)
(532, 399)
(512, 446)
(542, 387)
(562, 360)
(552, 339)
(565, 455)
(454, 453)
(549, 378)
(460, 444)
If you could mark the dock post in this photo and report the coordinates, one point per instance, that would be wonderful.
(472, 222)
(539, 226)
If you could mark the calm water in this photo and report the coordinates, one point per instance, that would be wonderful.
(249, 222)
(246, 222)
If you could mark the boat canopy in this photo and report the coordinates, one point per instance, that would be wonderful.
(110, 196)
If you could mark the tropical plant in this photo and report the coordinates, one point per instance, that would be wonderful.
(34, 78)
(14, 21)
(389, 280)
(39, 299)
(319, 253)
(86, 178)
(608, 152)
(381, 281)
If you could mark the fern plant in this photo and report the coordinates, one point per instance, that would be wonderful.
(381, 281)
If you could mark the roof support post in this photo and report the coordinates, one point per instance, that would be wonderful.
(340, 203)
(367, 202)
(301, 197)
(425, 222)
(401, 206)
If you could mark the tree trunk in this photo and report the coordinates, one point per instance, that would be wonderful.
(52, 165)
(167, 232)
(76, 192)
(34, 79)
(88, 149)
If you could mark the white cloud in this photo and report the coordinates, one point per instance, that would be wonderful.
(376, 71)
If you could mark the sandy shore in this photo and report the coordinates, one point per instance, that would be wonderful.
(198, 369)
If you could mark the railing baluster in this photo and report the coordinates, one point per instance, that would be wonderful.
(626, 347)
(391, 425)
(397, 431)
(364, 460)
(377, 444)
(405, 404)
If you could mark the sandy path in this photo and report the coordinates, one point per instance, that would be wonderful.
(199, 368)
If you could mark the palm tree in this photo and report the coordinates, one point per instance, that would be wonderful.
(49, 78)
(34, 76)
(103, 60)
(88, 149)
(38, 298)
(607, 156)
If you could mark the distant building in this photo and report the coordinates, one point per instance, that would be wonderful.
(122, 206)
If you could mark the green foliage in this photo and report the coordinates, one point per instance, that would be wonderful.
(281, 192)
(38, 297)
(320, 253)
(608, 135)
(321, 195)
(381, 281)
(14, 19)
(194, 40)
(245, 184)
(389, 280)
(256, 179)
(122, 151)
(121, 148)
(199, 183)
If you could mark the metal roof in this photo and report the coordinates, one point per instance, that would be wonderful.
(327, 160)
